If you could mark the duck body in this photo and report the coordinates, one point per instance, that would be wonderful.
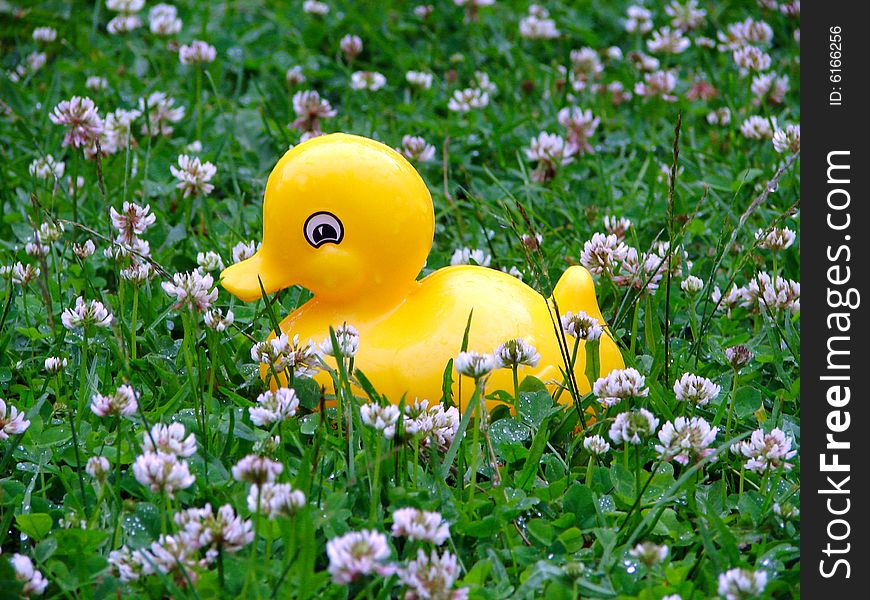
(349, 219)
(404, 349)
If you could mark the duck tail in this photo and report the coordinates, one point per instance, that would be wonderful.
(575, 291)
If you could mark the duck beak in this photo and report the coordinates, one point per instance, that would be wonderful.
(243, 279)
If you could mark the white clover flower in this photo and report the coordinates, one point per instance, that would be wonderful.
(45, 167)
(125, 6)
(741, 584)
(580, 126)
(257, 469)
(763, 451)
(202, 528)
(788, 139)
(758, 128)
(273, 407)
(123, 23)
(463, 101)
(618, 385)
(465, 256)
(351, 45)
(632, 427)
(210, 261)
(162, 473)
(192, 290)
(596, 445)
(686, 440)
(775, 238)
(244, 251)
(420, 79)
(381, 418)
(514, 353)
(132, 221)
(122, 402)
(34, 583)
(720, 116)
(295, 76)
(313, 7)
(347, 337)
(23, 274)
(193, 175)
(367, 80)
(432, 576)
(169, 439)
(744, 33)
(127, 564)
(161, 113)
(751, 58)
(85, 249)
(86, 314)
(695, 389)
(585, 67)
(434, 424)
(685, 16)
(602, 253)
(44, 34)
(581, 326)
(643, 62)
(639, 20)
(216, 319)
(424, 10)
(137, 273)
(538, 25)
(658, 84)
(730, 300)
(82, 119)
(197, 53)
(416, 149)
(692, 285)
(12, 422)
(275, 499)
(174, 556)
(764, 291)
(649, 554)
(473, 364)
(356, 554)
(55, 364)
(96, 83)
(163, 20)
(668, 41)
(420, 525)
(739, 356)
(98, 467)
(551, 151)
(769, 87)
(310, 108)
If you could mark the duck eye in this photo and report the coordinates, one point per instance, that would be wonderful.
(323, 228)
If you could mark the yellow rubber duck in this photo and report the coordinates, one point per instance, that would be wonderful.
(352, 221)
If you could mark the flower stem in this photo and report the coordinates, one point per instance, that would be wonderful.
(516, 391)
(376, 480)
(118, 441)
(731, 402)
(75, 438)
(133, 322)
(83, 381)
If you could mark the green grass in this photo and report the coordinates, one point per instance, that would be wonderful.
(553, 521)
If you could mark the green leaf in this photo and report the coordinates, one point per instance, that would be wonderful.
(579, 501)
(541, 531)
(35, 525)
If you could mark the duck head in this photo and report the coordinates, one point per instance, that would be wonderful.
(344, 216)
